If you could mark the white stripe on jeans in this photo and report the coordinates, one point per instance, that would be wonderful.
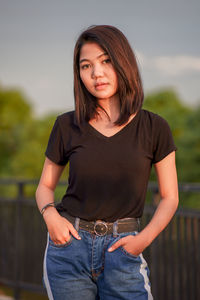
(143, 271)
(46, 280)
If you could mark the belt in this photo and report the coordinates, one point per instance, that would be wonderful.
(100, 227)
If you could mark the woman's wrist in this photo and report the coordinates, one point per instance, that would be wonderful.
(143, 239)
(51, 204)
(51, 210)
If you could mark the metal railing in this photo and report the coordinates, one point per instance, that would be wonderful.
(173, 257)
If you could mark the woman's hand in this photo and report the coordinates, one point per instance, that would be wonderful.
(59, 228)
(132, 244)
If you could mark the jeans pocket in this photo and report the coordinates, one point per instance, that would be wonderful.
(52, 244)
(124, 251)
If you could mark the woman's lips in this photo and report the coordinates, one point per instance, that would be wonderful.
(100, 86)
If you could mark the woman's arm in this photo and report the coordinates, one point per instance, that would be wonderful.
(59, 228)
(168, 187)
(50, 176)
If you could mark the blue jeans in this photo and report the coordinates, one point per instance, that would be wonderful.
(84, 269)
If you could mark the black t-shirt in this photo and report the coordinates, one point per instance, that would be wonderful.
(108, 176)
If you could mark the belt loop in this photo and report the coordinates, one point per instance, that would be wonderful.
(138, 223)
(115, 226)
(76, 223)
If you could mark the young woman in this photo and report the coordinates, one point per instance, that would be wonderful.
(94, 248)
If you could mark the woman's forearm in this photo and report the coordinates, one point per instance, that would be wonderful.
(50, 176)
(44, 195)
(161, 218)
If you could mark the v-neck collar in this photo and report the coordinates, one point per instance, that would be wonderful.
(118, 133)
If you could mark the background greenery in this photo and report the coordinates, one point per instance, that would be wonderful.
(23, 138)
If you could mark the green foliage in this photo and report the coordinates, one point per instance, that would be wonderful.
(29, 159)
(23, 138)
(189, 145)
(184, 122)
(167, 104)
(15, 113)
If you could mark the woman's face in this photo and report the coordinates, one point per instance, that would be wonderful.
(96, 71)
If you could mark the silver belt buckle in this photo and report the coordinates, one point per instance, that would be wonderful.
(100, 228)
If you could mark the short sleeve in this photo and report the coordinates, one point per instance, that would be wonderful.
(163, 142)
(55, 148)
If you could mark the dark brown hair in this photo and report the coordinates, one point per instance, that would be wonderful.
(130, 90)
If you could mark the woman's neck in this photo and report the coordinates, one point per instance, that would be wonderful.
(111, 106)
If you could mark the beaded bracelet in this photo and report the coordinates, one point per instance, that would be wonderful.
(46, 206)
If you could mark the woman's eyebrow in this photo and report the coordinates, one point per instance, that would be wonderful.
(99, 56)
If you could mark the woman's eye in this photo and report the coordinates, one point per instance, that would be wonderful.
(106, 61)
(84, 67)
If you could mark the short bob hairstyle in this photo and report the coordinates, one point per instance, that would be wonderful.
(130, 90)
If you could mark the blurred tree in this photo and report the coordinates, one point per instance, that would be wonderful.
(15, 113)
(167, 104)
(189, 144)
(184, 123)
(28, 160)
(23, 138)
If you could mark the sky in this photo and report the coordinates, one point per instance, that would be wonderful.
(37, 40)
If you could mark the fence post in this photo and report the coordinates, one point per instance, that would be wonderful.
(17, 289)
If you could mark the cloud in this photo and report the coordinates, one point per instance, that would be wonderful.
(177, 65)
(170, 65)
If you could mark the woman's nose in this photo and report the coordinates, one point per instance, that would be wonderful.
(97, 71)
